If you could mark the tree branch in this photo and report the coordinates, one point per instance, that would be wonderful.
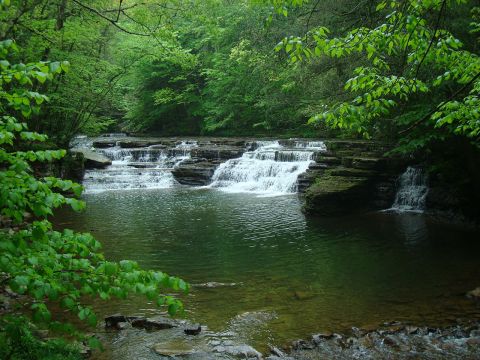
(111, 21)
(436, 108)
(444, 3)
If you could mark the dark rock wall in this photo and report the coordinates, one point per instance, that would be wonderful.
(351, 176)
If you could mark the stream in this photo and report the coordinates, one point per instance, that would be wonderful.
(262, 273)
(307, 275)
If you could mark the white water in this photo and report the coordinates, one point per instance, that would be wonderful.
(412, 191)
(143, 168)
(271, 169)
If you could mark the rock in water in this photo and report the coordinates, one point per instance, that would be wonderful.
(193, 329)
(303, 295)
(112, 321)
(474, 294)
(151, 324)
(242, 351)
(173, 348)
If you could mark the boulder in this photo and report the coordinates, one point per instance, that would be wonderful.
(93, 159)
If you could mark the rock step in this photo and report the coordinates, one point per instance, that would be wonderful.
(194, 173)
(93, 160)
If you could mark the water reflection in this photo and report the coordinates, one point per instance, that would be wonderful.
(314, 274)
(413, 228)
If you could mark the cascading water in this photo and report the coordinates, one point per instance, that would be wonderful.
(412, 191)
(143, 168)
(270, 169)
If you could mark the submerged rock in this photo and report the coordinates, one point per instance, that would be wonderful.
(173, 348)
(303, 295)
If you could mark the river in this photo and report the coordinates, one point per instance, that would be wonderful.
(309, 274)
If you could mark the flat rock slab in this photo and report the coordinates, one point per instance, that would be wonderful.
(92, 159)
(173, 348)
(194, 173)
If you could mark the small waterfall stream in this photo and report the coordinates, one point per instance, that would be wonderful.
(139, 168)
(412, 191)
(270, 169)
(265, 168)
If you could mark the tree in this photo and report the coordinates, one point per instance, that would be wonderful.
(36, 261)
(417, 77)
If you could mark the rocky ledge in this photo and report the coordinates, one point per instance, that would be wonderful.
(351, 176)
(93, 159)
(393, 340)
(195, 172)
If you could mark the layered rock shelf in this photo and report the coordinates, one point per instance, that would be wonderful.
(341, 177)
(351, 176)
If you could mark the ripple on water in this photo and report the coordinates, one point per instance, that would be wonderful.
(314, 274)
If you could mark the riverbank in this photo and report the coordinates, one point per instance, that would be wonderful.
(390, 341)
(393, 340)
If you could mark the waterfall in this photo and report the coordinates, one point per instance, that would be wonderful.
(266, 168)
(138, 168)
(412, 191)
(270, 169)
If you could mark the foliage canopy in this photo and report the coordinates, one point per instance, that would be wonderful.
(52, 267)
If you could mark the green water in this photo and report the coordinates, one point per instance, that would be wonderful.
(311, 274)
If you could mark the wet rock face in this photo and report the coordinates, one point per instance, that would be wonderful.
(352, 176)
(218, 152)
(194, 173)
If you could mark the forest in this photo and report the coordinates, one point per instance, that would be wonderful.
(390, 82)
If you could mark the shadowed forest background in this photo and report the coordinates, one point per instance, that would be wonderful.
(403, 74)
